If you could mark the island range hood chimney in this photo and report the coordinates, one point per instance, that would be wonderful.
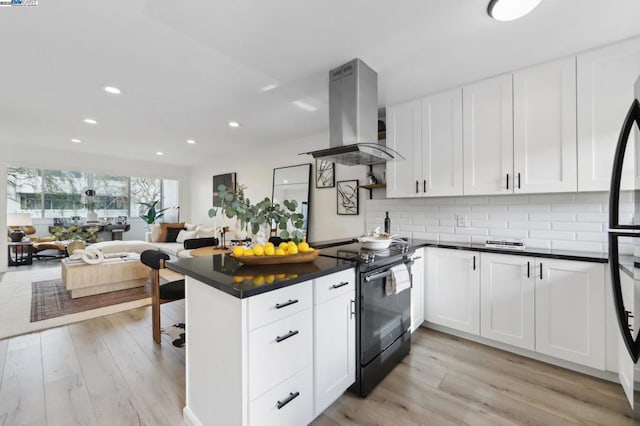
(353, 118)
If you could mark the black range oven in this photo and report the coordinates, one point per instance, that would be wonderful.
(383, 338)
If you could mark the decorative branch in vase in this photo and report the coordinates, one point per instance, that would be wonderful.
(260, 215)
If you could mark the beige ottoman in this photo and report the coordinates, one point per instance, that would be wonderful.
(111, 275)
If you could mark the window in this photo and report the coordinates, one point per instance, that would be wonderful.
(61, 193)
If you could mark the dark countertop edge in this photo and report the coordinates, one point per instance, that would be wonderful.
(242, 294)
(546, 253)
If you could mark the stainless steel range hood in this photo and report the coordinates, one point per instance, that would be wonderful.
(353, 118)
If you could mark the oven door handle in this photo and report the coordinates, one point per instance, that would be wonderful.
(369, 278)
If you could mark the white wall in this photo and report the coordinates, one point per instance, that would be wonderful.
(23, 155)
(571, 221)
(255, 170)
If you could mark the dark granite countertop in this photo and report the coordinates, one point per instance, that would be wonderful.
(582, 256)
(228, 275)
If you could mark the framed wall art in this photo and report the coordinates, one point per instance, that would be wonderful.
(348, 199)
(228, 180)
(325, 174)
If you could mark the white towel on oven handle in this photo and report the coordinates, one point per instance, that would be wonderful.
(399, 280)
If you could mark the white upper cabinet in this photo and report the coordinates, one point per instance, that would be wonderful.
(544, 101)
(605, 92)
(404, 135)
(488, 136)
(442, 144)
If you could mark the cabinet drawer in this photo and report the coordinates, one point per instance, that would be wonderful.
(279, 350)
(274, 305)
(333, 285)
(297, 390)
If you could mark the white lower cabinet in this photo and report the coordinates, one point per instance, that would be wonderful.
(334, 332)
(507, 299)
(278, 358)
(452, 296)
(550, 306)
(570, 311)
(417, 290)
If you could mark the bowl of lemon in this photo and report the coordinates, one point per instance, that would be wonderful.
(269, 254)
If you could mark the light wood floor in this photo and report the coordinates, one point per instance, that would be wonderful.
(108, 371)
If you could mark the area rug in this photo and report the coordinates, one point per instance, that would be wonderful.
(50, 299)
(177, 333)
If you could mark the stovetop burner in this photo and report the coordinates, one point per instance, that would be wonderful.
(355, 251)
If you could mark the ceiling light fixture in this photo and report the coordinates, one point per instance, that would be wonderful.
(112, 90)
(234, 124)
(90, 121)
(510, 10)
(76, 141)
(191, 141)
(305, 106)
(159, 153)
(268, 87)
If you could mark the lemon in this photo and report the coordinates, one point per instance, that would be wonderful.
(238, 251)
(269, 250)
(248, 252)
(258, 250)
(281, 276)
(259, 280)
(238, 279)
(269, 244)
(283, 245)
(270, 278)
(303, 246)
(280, 252)
(291, 244)
(293, 249)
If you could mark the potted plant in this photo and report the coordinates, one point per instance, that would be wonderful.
(152, 213)
(262, 215)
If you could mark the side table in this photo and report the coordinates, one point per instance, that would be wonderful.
(20, 253)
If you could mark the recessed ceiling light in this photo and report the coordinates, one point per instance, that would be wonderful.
(509, 10)
(234, 124)
(159, 153)
(76, 141)
(268, 87)
(90, 121)
(305, 106)
(112, 90)
(191, 141)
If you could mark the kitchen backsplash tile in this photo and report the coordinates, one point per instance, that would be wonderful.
(576, 221)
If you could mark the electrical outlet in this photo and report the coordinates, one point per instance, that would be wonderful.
(461, 221)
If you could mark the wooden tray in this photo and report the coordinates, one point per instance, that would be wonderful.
(307, 256)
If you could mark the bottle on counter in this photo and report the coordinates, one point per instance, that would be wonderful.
(387, 223)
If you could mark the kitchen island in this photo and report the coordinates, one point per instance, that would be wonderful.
(267, 345)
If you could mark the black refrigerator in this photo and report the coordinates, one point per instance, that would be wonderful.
(624, 252)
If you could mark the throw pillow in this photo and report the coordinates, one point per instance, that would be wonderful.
(190, 226)
(172, 235)
(185, 234)
(167, 225)
(206, 232)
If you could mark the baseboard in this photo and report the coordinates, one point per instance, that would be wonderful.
(605, 375)
(189, 418)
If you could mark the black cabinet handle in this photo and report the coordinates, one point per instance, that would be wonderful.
(286, 336)
(342, 284)
(540, 270)
(528, 269)
(474, 263)
(417, 184)
(285, 304)
(518, 180)
(291, 397)
(507, 180)
(424, 185)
